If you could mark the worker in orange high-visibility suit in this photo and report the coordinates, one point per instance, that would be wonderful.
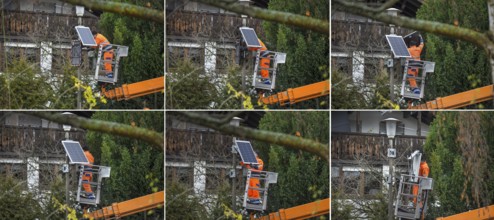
(415, 52)
(88, 174)
(253, 195)
(264, 62)
(107, 52)
(424, 172)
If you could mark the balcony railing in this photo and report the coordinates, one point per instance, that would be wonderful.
(371, 147)
(30, 140)
(366, 36)
(42, 25)
(208, 25)
(195, 144)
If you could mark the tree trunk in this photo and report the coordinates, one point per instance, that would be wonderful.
(490, 6)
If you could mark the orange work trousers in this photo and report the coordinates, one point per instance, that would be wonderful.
(265, 64)
(108, 58)
(413, 72)
(252, 193)
(87, 176)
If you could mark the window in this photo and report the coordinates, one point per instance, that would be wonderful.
(357, 182)
(342, 65)
(176, 55)
(351, 182)
(17, 171)
(372, 68)
(224, 59)
(48, 175)
(31, 55)
(47, 7)
(216, 178)
(182, 175)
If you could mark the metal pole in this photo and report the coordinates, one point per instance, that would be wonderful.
(79, 105)
(67, 190)
(391, 72)
(390, 185)
(234, 180)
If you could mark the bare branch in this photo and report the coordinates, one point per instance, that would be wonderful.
(152, 137)
(308, 23)
(290, 141)
(122, 8)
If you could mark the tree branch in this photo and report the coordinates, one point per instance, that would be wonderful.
(289, 141)
(308, 23)
(480, 39)
(122, 9)
(152, 137)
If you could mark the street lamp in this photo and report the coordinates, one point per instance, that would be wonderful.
(79, 11)
(391, 132)
(235, 121)
(65, 127)
(390, 63)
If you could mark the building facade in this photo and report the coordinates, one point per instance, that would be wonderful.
(31, 150)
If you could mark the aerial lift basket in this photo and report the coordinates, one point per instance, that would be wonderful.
(118, 52)
(265, 178)
(423, 68)
(98, 173)
(410, 205)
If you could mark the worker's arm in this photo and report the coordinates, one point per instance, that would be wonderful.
(421, 46)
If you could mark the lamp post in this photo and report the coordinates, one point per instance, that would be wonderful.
(235, 121)
(391, 132)
(79, 10)
(392, 12)
(67, 128)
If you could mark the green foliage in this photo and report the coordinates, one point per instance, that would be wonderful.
(15, 202)
(344, 93)
(180, 198)
(22, 87)
(307, 52)
(188, 88)
(137, 168)
(146, 46)
(449, 165)
(302, 177)
(460, 66)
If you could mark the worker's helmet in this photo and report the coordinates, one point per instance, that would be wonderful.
(85, 147)
(413, 43)
(94, 31)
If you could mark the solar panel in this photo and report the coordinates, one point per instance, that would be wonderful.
(85, 36)
(250, 37)
(75, 152)
(246, 152)
(398, 46)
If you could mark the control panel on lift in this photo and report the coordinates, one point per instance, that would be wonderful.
(266, 61)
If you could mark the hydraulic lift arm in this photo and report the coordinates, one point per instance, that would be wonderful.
(129, 91)
(130, 207)
(304, 211)
(298, 94)
(485, 213)
(459, 100)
